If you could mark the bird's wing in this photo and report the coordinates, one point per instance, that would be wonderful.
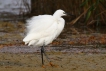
(38, 26)
(39, 23)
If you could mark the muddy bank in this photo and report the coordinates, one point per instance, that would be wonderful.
(11, 60)
(63, 62)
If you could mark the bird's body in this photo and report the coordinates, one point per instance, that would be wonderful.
(43, 29)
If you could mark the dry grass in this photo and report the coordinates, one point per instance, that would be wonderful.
(11, 33)
(12, 27)
(95, 14)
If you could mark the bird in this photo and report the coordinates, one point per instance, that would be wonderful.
(41, 30)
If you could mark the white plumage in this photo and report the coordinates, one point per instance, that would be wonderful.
(43, 29)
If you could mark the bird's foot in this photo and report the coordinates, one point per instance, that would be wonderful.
(50, 64)
(43, 66)
(53, 65)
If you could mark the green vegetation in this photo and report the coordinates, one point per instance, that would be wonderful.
(86, 11)
(96, 10)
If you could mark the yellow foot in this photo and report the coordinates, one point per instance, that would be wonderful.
(50, 64)
(53, 65)
(43, 66)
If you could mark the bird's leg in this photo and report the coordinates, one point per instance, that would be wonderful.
(49, 59)
(46, 56)
(42, 51)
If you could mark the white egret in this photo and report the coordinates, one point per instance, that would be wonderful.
(43, 29)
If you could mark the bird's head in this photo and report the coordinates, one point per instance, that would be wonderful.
(59, 13)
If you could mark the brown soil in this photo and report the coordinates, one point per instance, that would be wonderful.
(62, 62)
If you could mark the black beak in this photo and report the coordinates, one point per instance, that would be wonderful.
(68, 14)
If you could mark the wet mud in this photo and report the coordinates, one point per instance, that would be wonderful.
(19, 59)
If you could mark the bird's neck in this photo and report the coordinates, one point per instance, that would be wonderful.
(56, 16)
